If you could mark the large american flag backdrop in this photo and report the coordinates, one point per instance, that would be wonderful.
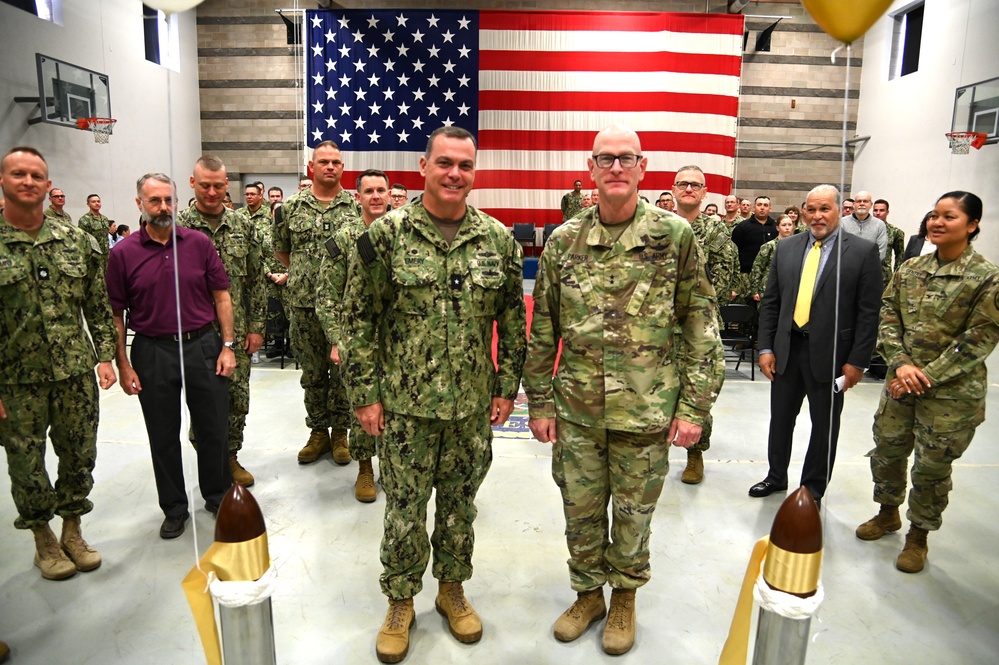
(533, 87)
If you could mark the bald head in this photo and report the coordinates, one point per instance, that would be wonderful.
(616, 133)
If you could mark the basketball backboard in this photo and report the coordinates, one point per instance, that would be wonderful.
(67, 92)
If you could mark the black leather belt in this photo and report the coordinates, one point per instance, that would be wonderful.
(803, 334)
(188, 336)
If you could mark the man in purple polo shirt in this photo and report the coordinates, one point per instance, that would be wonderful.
(142, 278)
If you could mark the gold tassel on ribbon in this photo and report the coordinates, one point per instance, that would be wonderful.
(231, 562)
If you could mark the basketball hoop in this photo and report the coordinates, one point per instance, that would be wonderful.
(962, 142)
(101, 127)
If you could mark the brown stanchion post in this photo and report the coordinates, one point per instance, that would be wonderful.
(793, 565)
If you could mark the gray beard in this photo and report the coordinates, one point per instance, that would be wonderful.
(160, 222)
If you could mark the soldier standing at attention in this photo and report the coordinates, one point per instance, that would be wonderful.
(373, 195)
(722, 265)
(939, 324)
(97, 225)
(572, 202)
(302, 225)
(424, 288)
(55, 210)
(258, 216)
(619, 285)
(238, 244)
(52, 290)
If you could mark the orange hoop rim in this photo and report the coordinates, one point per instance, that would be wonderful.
(87, 123)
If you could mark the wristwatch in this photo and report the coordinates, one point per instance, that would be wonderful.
(228, 345)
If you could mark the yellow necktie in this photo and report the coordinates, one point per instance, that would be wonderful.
(803, 306)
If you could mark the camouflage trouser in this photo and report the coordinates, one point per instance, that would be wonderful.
(239, 402)
(418, 456)
(363, 446)
(326, 403)
(741, 285)
(68, 411)
(939, 430)
(705, 441)
(594, 467)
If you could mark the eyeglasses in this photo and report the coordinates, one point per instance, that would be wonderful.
(684, 184)
(58, 196)
(156, 202)
(397, 197)
(627, 161)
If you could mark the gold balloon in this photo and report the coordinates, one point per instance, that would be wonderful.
(846, 20)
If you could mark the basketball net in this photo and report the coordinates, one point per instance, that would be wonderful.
(101, 127)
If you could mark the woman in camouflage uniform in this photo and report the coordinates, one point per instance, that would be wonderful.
(939, 323)
(761, 265)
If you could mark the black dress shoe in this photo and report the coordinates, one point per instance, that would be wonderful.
(765, 488)
(173, 527)
(212, 508)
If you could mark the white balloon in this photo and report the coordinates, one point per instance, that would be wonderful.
(173, 6)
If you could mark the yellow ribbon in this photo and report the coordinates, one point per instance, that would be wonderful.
(231, 562)
(737, 645)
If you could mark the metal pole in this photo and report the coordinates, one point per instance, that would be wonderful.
(779, 640)
(248, 634)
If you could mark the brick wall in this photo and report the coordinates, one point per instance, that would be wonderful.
(251, 102)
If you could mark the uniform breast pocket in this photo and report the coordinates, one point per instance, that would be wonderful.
(486, 280)
(577, 301)
(74, 270)
(235, 259)
(653, 299)
(414, 288)
(951, 308)
(14, 286)
(303, 232)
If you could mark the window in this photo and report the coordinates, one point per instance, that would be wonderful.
(48, 10)
(161, 37)
(906, 36)
(976, 109)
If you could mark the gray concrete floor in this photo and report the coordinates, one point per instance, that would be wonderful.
(328, 607)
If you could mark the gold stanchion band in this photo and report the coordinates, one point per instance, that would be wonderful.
(792, 572)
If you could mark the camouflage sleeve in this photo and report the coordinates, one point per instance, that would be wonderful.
(96, 308)
(702, 365)
(256, 283)
(367, 273)
(329, 291)
(973, 345)
(280, 232)
(890, 330)
(542, 345)
(511, 326)
(761, 268)
(898, 246)
(726, 263)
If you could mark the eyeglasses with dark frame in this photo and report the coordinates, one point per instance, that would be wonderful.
(628, 161)
(684, 184)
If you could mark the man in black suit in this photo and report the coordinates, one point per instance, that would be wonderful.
(804, 346)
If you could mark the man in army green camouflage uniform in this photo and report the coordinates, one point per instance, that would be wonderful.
(722, 266)
(425, 285)
(620, 285)
(302, 225)
(896, 241)
(56, 211)
(52, 290)
(239, 247)
(572, 202)
(258, 214)
(97, 225)
(373, 196)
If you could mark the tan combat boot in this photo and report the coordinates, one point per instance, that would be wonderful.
(341, 451)
(4, 652)
(913, 556)
(588, 608)
(49, 557)
(886, 521)
(694, 473)
(76, 548)
(392, 642)
(239, 474)
(619, 632)
(461, 618)
(364, 487)
(318, 443)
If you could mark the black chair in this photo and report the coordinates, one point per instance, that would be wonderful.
(276, 330)
(525, 235)
(547, 233)
(738, 335)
